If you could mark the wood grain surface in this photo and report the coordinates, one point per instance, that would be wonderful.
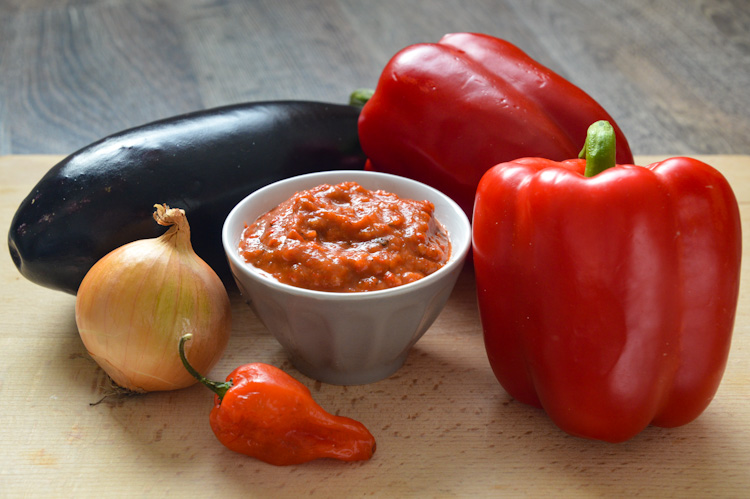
(673, 73)
(444, 426)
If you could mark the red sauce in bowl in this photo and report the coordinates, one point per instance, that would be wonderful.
(345, 238)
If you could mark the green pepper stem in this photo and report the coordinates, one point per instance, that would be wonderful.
(599, 148)
(360, 97)
(219, 389)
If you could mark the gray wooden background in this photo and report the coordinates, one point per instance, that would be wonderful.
(675, 74)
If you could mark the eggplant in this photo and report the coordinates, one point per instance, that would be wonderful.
(102, 196)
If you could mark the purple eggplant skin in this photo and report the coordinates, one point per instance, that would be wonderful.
(102, 196)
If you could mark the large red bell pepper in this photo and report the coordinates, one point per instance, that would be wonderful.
(444, 113)
(608, 300)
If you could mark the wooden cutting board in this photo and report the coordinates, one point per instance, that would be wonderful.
(444, 426)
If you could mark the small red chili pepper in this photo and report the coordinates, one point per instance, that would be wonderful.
(263, 412)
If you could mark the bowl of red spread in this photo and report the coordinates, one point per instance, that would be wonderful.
(347, 269)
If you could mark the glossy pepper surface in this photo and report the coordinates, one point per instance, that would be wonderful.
(263, 412)
(608, 301)
(444, 113)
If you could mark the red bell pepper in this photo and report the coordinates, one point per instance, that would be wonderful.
(608, 300)
(444, 113)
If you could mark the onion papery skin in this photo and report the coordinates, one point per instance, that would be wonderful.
(137, 301)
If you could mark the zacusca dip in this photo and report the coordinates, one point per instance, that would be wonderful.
(346, 238)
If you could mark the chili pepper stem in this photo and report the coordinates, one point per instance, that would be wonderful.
(219, 389)
(599, 148)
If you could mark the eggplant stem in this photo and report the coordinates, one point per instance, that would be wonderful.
(218, 388)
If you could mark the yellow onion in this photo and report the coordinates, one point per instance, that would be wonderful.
(135, 304)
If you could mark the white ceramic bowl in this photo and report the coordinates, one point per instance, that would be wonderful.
(347, 338)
